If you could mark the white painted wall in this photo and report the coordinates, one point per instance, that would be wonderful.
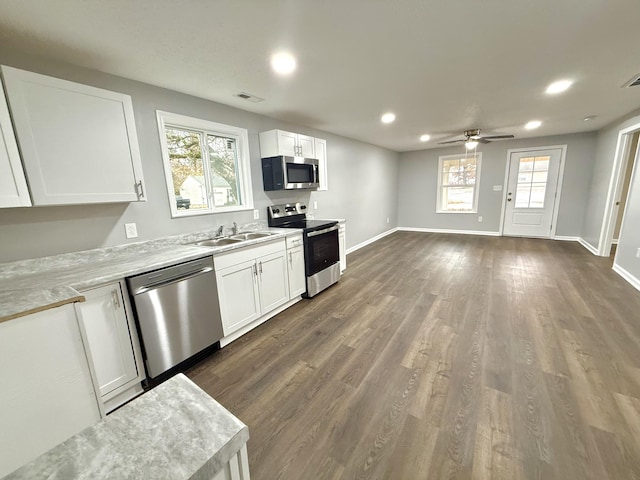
(417, 188)
(362, 178)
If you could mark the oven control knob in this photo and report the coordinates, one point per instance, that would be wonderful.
(303, 207)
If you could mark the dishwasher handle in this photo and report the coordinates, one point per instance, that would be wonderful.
(178, 278)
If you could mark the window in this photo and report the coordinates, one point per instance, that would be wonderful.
(206, 165)
(458, 178)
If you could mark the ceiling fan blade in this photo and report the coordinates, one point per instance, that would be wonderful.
(483, 140)
(496, 137)
(452, 141)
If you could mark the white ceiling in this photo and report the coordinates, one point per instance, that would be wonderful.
(441, 65)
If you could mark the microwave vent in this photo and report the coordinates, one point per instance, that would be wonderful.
(634, 82)
(250, 98)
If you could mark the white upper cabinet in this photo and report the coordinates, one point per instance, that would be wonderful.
(280, 142)
(13, 186)
(78, 143)
(320, 145)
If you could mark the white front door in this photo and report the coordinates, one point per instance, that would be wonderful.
(531, 192)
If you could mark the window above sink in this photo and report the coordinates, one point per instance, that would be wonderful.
(206, 165)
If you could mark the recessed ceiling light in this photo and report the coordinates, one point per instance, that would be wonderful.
(425, 138)
(283, 63)
(533, 124)
(388, 117)
(559, 86)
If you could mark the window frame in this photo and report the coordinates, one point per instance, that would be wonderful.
(207, 127)
(476, 185)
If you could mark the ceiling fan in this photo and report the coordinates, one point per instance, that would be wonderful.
(472, 138)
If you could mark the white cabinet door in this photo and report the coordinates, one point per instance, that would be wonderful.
(238, 294)
(108, 338)
(46, 390)
(297, 279)
(78, 143)
(13, 185)
(320, 145)
(306, 146)
(274, 286)
(287, 143)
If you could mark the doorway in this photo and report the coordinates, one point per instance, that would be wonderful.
(532, 192)
(621, 201)
(625, 158)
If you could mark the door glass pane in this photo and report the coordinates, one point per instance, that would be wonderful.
(540, 177)
(541, 163)
(526, 164)
(223, 160)
(537, 195)
(187, 169)
(525, 177)
(457, 198)
(522, 195)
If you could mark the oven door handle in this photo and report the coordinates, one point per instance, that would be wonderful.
(320, 232)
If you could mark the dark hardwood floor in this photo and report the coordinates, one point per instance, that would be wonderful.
(445, 356)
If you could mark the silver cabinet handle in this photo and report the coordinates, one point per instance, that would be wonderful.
(260, 268)
(116, 301)
(290, 259)
(255, 270)
(140, 189)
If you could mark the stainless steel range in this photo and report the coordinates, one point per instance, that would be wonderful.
(321, 247)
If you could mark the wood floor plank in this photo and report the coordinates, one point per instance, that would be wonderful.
(445, 356)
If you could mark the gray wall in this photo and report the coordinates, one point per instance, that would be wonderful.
(417, 185)
(602, 169)
(365, 200)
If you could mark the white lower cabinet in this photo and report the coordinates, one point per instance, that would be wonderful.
(295, 264)
(251, 282)
(46, 389)
(112, 344)
(237, 468)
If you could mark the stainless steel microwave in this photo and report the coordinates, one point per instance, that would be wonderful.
(289, 173)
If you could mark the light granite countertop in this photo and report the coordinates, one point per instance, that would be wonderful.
(175, 431)
(29, 286)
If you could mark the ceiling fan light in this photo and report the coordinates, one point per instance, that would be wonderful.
(470, 144)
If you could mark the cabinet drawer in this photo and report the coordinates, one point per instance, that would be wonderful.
(294, 241)
(234, 257)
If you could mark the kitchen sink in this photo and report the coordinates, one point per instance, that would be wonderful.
(218, 242)
(251, 235)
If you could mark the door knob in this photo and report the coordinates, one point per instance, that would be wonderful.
(508, 199)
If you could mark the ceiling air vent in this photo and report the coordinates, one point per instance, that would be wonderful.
(250, 98)
(634, 82)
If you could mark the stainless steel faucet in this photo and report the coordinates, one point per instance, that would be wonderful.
(234, 229)
(219, 231)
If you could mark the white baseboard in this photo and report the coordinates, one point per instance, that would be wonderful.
(635, 283)
(446, 230)
(566, 239)
(371, 240)
(588, 246)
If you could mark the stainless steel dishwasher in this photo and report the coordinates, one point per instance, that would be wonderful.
(178, 313)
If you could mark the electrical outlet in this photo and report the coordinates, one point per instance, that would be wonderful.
(130, 230)
(638, 253)
(480, 218)
(315, 205)
(387, 219)
(256, 214)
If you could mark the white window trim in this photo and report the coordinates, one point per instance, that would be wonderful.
(241, 136)
(476, 191)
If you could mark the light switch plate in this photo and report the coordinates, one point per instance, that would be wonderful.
(497, 188)
(256, 214)
(130, 230)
